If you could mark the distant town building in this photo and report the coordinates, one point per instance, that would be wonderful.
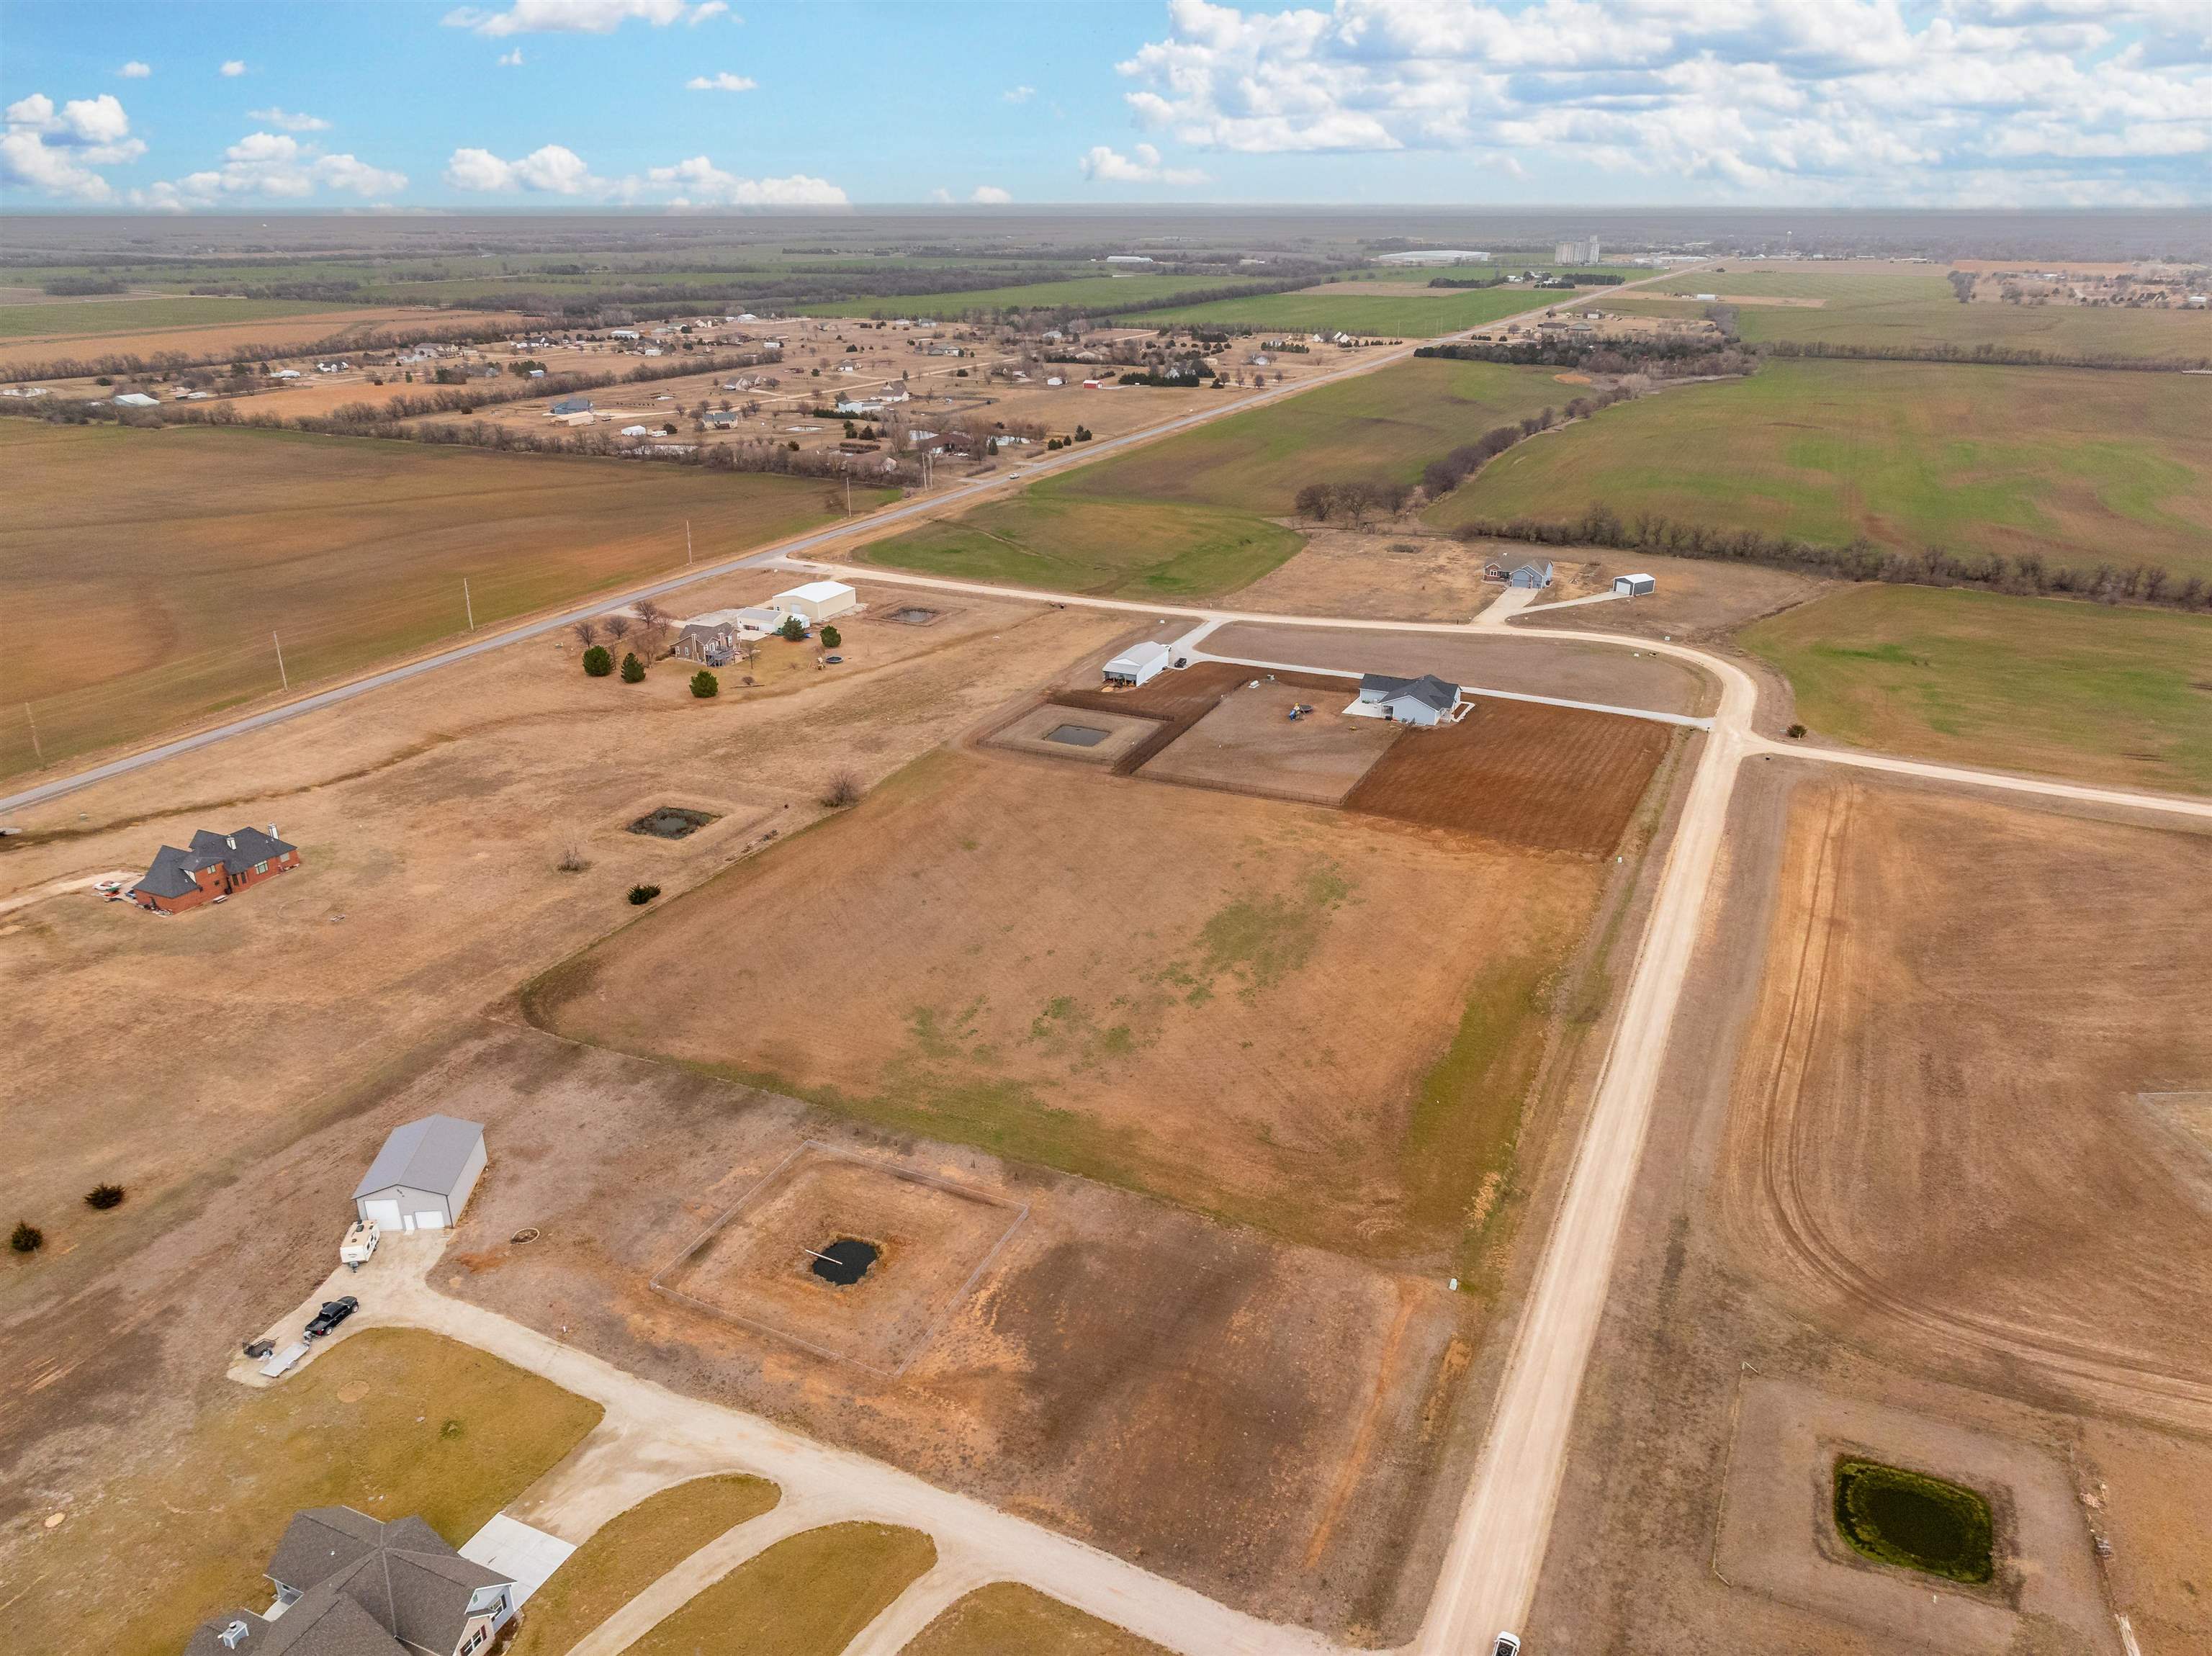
(1576, 252)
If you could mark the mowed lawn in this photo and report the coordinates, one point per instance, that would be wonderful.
(392, 1422)
(1391, 316)
(2080, 690)
(2079, 466)
(1912, 306)
(174, 553)
(1191, 516)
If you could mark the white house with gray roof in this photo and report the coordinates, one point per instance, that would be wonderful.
(422, 1178)
(1427, 699)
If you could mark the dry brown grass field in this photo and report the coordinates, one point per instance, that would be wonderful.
(1143, 984)
(1946, 1128)
(1910, 1165)
(188, 546)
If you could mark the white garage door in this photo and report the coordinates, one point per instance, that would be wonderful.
(429, 1219)
(382, 1213)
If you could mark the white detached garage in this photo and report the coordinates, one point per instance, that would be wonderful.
(422, 1178)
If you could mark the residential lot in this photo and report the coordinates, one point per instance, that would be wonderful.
(1910, 1191)
(1112, 1343)
(174, 1527)
(1103, 974)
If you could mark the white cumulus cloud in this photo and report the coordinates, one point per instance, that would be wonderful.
(1833, 100)
(699, 183)
(289, 121)
(579, 16)
(135, 70)
(510, 60)
(57, 151)
(232, 68)
(989, 195)
(725, 82)
(1019, 94)
(552, 170)
(1106, 166)
(271, 167)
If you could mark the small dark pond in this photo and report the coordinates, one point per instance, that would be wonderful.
(1076, 736)
(672, 823)
(844, 1262)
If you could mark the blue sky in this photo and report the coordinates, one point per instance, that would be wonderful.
(208, 105)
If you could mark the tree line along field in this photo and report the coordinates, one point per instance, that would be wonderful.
(1192, 516)
(1911, 307)
(2090, 692)
(186, 547)
(1073, 293)
(2081, 467)
(1317, 310)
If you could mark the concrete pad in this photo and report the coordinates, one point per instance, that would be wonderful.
(526, 1555)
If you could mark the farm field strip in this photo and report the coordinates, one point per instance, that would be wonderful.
(2022, 462)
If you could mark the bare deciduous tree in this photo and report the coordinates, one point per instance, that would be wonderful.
(587, 632)
(616, 626)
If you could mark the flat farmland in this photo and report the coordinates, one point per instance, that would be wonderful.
(1046, 537)
(1324, 310)
(1118, 980)
(229, 326)
(1389, 423)
(189, 546)
(1957, 1126)
(1074, 293)
(1193, 516)
(87, 318)
(1551, 778)
(2092, 692)
(2077, 467)
(1910, 306)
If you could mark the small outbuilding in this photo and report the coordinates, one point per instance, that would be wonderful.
(422, 1178)
(1137, 665)
(571, 405)
(1531, 574)
(816, 601)
(1634, 587)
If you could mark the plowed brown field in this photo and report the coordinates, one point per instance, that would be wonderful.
(1555, 778)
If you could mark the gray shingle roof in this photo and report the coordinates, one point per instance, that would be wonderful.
(1428, 690)
(425, 1154)
(171, 874)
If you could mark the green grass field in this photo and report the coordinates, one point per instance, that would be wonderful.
(1912, 307)
(2080, 690)
(1389, 316)
(1190, 516)
(186, 547)
(1393, 422)
(1116, 291)
(2081, 466)
(72, 318)
(1049, 537)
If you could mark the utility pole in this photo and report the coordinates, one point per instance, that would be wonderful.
(468, 603)
(283, 678)
(687, 540)
(35, 748)
(848, 494)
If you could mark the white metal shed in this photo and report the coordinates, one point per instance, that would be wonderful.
(1137, 664)
(1634, 585)
(422, 1178)
(816, 601)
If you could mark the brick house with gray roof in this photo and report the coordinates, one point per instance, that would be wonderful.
(350, 1585)
(214, 865)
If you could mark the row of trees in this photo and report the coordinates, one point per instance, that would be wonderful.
(2008, 356)
(1355, 502)
(1860, 560)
